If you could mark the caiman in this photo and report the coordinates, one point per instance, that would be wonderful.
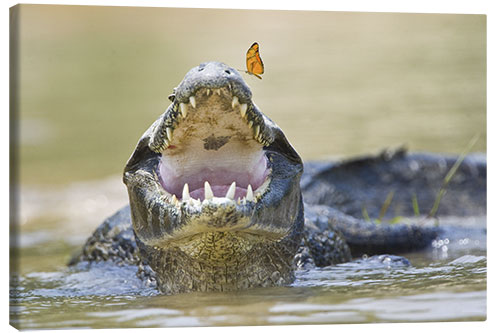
(217, 200)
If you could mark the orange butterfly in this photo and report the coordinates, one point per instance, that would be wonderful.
(255, 66)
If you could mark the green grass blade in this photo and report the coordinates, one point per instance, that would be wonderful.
(386, 205)
(414, 201)
(365, 214)
(450, 175)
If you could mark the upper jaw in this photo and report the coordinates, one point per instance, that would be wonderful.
(212, 75)
(201, 84)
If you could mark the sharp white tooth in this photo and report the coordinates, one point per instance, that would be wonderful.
(249, 195)
(184, 110)
(243, 109)
(231, 191)
(208, 92)
(174, 200)
(169, 134)
(192, 101)
(217, 91)
(235, 102)
(256, 131)
(185, 193)
(250, 124)
(208, 191)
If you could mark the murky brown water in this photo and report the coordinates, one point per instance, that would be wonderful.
(92, 79)
(445, 283)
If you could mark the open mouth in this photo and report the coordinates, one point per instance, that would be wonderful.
(213, 162)
(213, 149)
(214, 189)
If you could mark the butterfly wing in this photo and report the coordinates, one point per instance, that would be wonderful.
(254, 62)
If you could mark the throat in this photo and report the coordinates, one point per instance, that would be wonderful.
(220, 261)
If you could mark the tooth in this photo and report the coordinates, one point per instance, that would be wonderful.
(250, 124)
(249, 195)
(192, 101)
(184, 110)
(185, 193)
(235, 102)
(208, 191)
(174, 200)
(243, 109)
(217, 91)
(256, 131)
(231, 191)
(208, 92)
(169, 134)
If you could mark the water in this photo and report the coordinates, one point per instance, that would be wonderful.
(108, 296)
(446, 282)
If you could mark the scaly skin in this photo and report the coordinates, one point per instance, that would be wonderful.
(215, 242)
(198, 238)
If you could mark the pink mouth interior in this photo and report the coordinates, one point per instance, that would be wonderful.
(213, 143)
(250, 172)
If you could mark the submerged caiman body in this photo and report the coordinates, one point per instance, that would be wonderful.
(220, 200)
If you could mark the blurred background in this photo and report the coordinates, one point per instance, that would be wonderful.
(92, 80)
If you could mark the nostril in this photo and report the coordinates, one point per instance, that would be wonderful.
(227, 71)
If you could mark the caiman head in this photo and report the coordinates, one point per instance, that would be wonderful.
(214, 189)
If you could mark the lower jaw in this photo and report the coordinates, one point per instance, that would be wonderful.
(223, 261)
